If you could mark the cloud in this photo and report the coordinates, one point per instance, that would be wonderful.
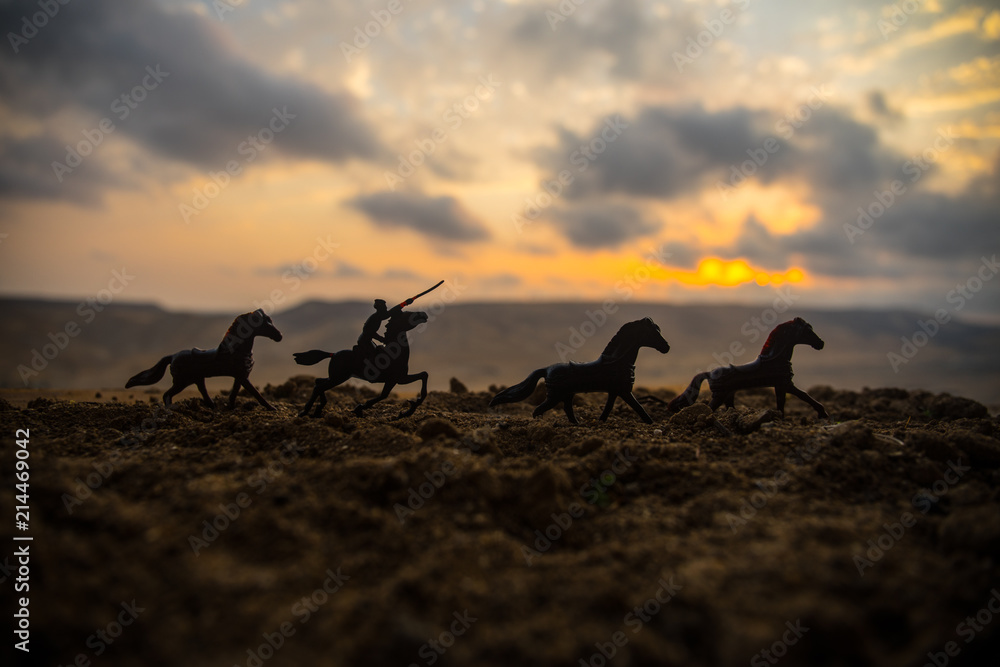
(601, 226)
(441, 218)
(205, 100)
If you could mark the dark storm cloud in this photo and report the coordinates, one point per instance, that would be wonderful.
(668, 152)
(435, 217)
(596, 226)
(663, 153)
(889, 235)
(203, 103)
(26, 173)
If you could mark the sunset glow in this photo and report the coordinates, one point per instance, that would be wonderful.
(226, 154)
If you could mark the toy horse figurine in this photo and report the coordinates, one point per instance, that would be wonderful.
(772, 368)
(389, 365)
(613, 372)
(233, 358)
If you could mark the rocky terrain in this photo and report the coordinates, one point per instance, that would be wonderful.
(465, 535)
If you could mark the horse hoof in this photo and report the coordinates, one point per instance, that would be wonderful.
(358, 411)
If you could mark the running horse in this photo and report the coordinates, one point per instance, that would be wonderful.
(233, 358)
(389, 365)
(771, 368)
(613, 372)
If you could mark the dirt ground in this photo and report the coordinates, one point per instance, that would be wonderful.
(465, 535)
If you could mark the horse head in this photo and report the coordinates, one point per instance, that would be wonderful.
(404, 321)
(262, 325)
(807, 335)
(633, 335)
(789, 334)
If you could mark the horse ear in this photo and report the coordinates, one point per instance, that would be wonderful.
(799, 320)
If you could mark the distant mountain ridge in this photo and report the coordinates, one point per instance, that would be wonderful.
(59, 344)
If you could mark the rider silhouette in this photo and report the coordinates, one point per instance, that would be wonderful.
(369, 332)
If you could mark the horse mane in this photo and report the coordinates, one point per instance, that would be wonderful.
(232, 334)
(778, 339)
(612, 348)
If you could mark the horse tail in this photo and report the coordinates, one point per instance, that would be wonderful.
(311, 357)
(689, 396)
(519, 391)
(152, 375)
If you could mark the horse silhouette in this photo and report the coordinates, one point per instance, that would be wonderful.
(771, 368)
(232, 358)
(613, 372)
(389, 365)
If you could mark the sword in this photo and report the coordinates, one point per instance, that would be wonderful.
(414, 298)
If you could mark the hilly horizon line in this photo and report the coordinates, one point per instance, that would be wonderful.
(69, 301)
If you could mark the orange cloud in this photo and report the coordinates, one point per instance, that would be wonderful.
(729, 273)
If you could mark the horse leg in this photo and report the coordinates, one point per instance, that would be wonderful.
(200, 382)
(731, 400)
(612, 396)
(546, 405)
(717, 400)
(175, 389)
(816, 405)
(233, 393)
(386, 389)
(637, 406)
(252, 390)
(779, 398)
(568, 409)
(321, 387)
(422, 376)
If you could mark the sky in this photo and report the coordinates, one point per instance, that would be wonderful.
(213, 155)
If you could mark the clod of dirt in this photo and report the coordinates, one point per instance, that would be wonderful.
(691, 415)
(40, 403)
(932, 445)
(587, 446)
(5, 405)
(975, 528)
(852, 434)
(434, 427)
(752, 421)
(946, 406)
(457, 387)
(983, 450)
